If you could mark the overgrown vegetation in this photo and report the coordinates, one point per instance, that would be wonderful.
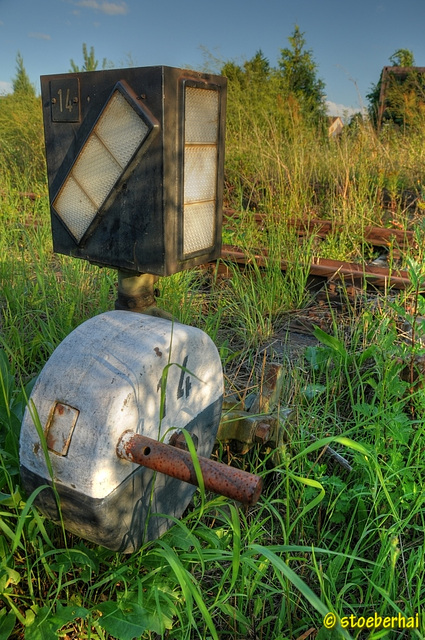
(403, 99)
(321, 538)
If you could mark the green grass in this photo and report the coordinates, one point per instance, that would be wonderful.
(321, 538)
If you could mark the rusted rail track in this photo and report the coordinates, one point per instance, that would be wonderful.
(329, 269)
(22, 194)
(352, 273)
(398, 239)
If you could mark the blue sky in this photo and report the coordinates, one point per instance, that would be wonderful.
(350, 42)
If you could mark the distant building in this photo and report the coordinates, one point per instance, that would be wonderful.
(335, 126)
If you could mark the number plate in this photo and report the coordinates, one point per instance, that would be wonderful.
(65, 100)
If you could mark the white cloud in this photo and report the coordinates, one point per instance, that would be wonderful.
(5, 87)
(39, 36)
(110, 8)
(335, 109)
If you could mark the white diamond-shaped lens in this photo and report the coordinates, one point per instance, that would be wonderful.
(96, 171)
(128, 130)
(116, 137)
(200, 168)
(71, 199)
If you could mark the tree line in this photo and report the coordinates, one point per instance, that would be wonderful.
(292, 88)
(290, 96)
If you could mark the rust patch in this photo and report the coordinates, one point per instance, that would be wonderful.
(60, 409)
(126, 402)
(262, 433)
(60, 428)
(273, 371)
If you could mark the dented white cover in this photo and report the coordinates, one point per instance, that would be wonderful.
(109, 376)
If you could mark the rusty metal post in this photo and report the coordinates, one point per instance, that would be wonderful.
(177, 463)
(136, 292)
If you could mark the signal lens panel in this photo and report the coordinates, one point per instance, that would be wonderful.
(200, 168)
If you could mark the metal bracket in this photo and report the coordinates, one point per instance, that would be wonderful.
(136, 292)
(244, 425)
(250, 422)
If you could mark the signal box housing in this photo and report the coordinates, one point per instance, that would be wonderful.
(135, 166)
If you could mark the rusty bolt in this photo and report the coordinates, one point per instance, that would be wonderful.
(262, 433)
(178, 440)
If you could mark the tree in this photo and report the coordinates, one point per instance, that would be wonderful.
(298, 73)
(21, 82)
(258, 68)
(402, 58)
(373, 99)
(253, 72)
(268, 106)
(90, 62)
(290, 88)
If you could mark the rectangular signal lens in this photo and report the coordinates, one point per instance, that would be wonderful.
(200, 168)
(200, 173)
(201, 115)
(199, 226)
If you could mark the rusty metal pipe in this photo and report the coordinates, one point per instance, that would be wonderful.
(177, 463)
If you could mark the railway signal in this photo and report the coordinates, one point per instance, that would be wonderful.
(135, 167)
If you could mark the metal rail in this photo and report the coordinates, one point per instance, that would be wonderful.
(376, 236)
(351, 272)
(329, 269)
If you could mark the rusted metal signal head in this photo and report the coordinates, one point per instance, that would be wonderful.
(135, 165)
